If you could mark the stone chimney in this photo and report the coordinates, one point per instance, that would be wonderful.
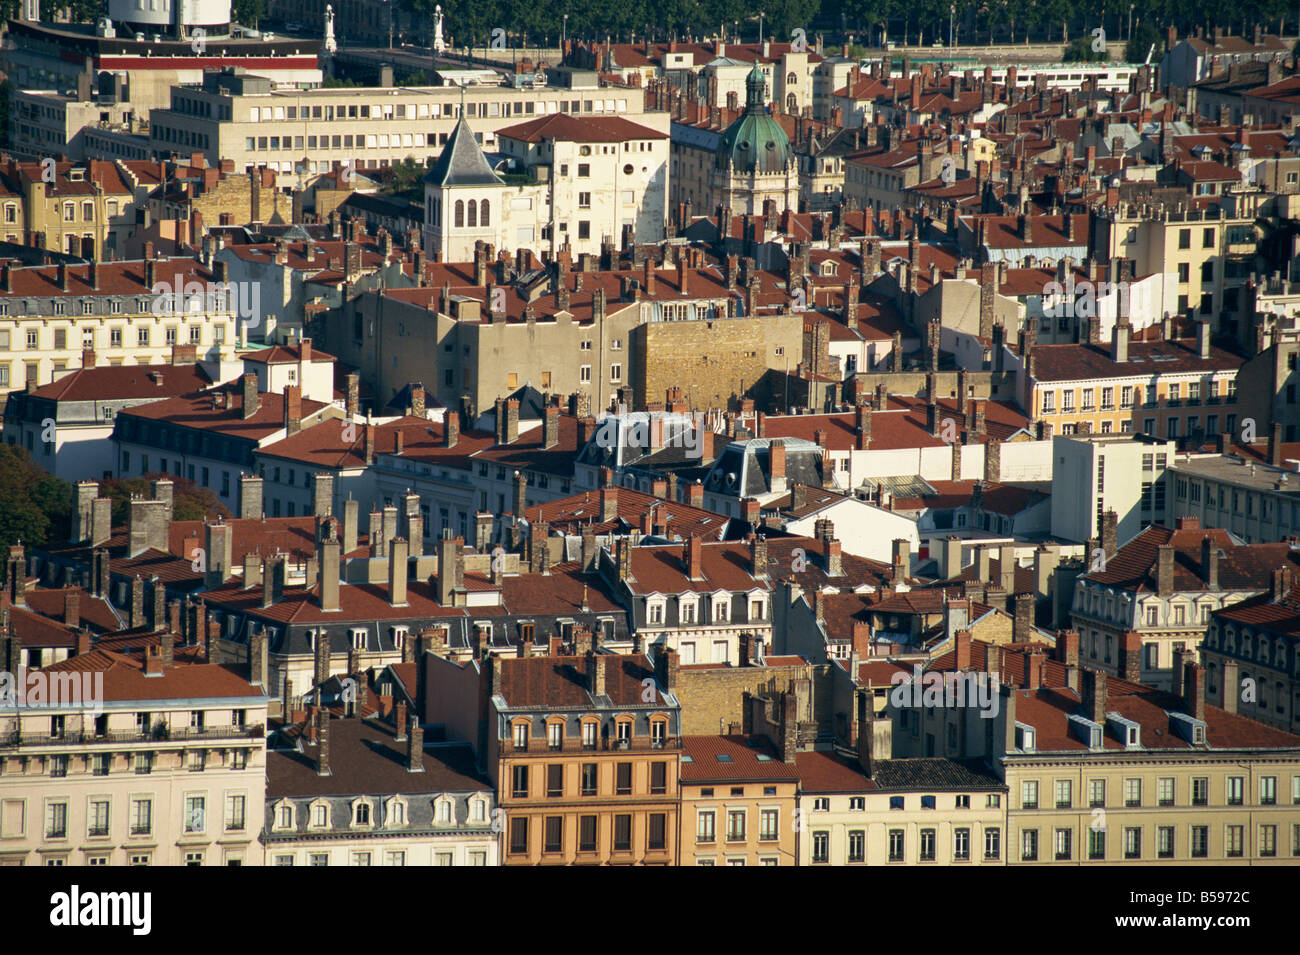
(250, 497)
(1165, 570)
(248, 384)
(415, 746)
(1094, 693)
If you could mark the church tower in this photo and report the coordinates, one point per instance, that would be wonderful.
(754, 161)
(463, 200)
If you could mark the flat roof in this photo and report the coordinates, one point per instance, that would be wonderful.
(1234, 470)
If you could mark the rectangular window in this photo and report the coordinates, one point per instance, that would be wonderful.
(821, 846)
(1133, 842)
(519, 835)
(927, 845)
(623, 833)
(658, 778)
(1234, 842)
(961, 845)
(657, 834)
(586, 833)
(553, 840)
(705, 826)
(1029, 845)
(1062, 844)
(992, 844)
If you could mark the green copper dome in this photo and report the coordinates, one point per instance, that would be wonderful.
(754, 142)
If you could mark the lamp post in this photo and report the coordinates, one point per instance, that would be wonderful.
(952, 26)
(564, 35)
(1130, 21)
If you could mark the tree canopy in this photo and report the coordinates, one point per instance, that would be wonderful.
(37, 508)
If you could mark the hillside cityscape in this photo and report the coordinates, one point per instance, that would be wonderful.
(805, 434)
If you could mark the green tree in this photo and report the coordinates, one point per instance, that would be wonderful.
(189, 501)
(248, 12)
(1080, 51)
(1144, 34)
(406, 179)
(37, 506)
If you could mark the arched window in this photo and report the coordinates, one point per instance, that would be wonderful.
(484, 215)
(791, 80)
(460, 213)
(473, 214)
(791, 104)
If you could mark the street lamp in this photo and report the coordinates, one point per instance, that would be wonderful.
(1130, 21)
(952, 20)
(564, 35)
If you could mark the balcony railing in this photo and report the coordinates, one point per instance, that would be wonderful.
(641, 744)
(14, 740)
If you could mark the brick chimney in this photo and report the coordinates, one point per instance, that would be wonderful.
(1194, 690)
(292, 409)
(1094, 694)
(1210, 563)
(1165, 570)
(694, 558)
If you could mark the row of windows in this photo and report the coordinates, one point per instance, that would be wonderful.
(1148, 394)
(361, 857)
(553, 833)
(1166, 842)
(523, 106)
(521, 731)
(1166, 791)
(172, 335)
(140, 814)
(363, 815)
(588, 779)
(926, 848)
(737, 822)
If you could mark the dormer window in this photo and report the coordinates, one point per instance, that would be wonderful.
(444, 812)
(521, 735)
(284, 817)
(397, 813)
(361, 814)
(624, 733)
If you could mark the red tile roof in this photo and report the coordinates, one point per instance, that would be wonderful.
(733, 759)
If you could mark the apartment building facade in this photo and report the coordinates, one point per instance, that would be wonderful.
(1152, 599)
(1250, 657)
(1101, 770)
(1256, 501)
(51, 315)
(586, 756)
(83, 209)
(1172, 389)
(377, 795)
(740, 796)
(171, 771)
(1206, 253)
(244, 118)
